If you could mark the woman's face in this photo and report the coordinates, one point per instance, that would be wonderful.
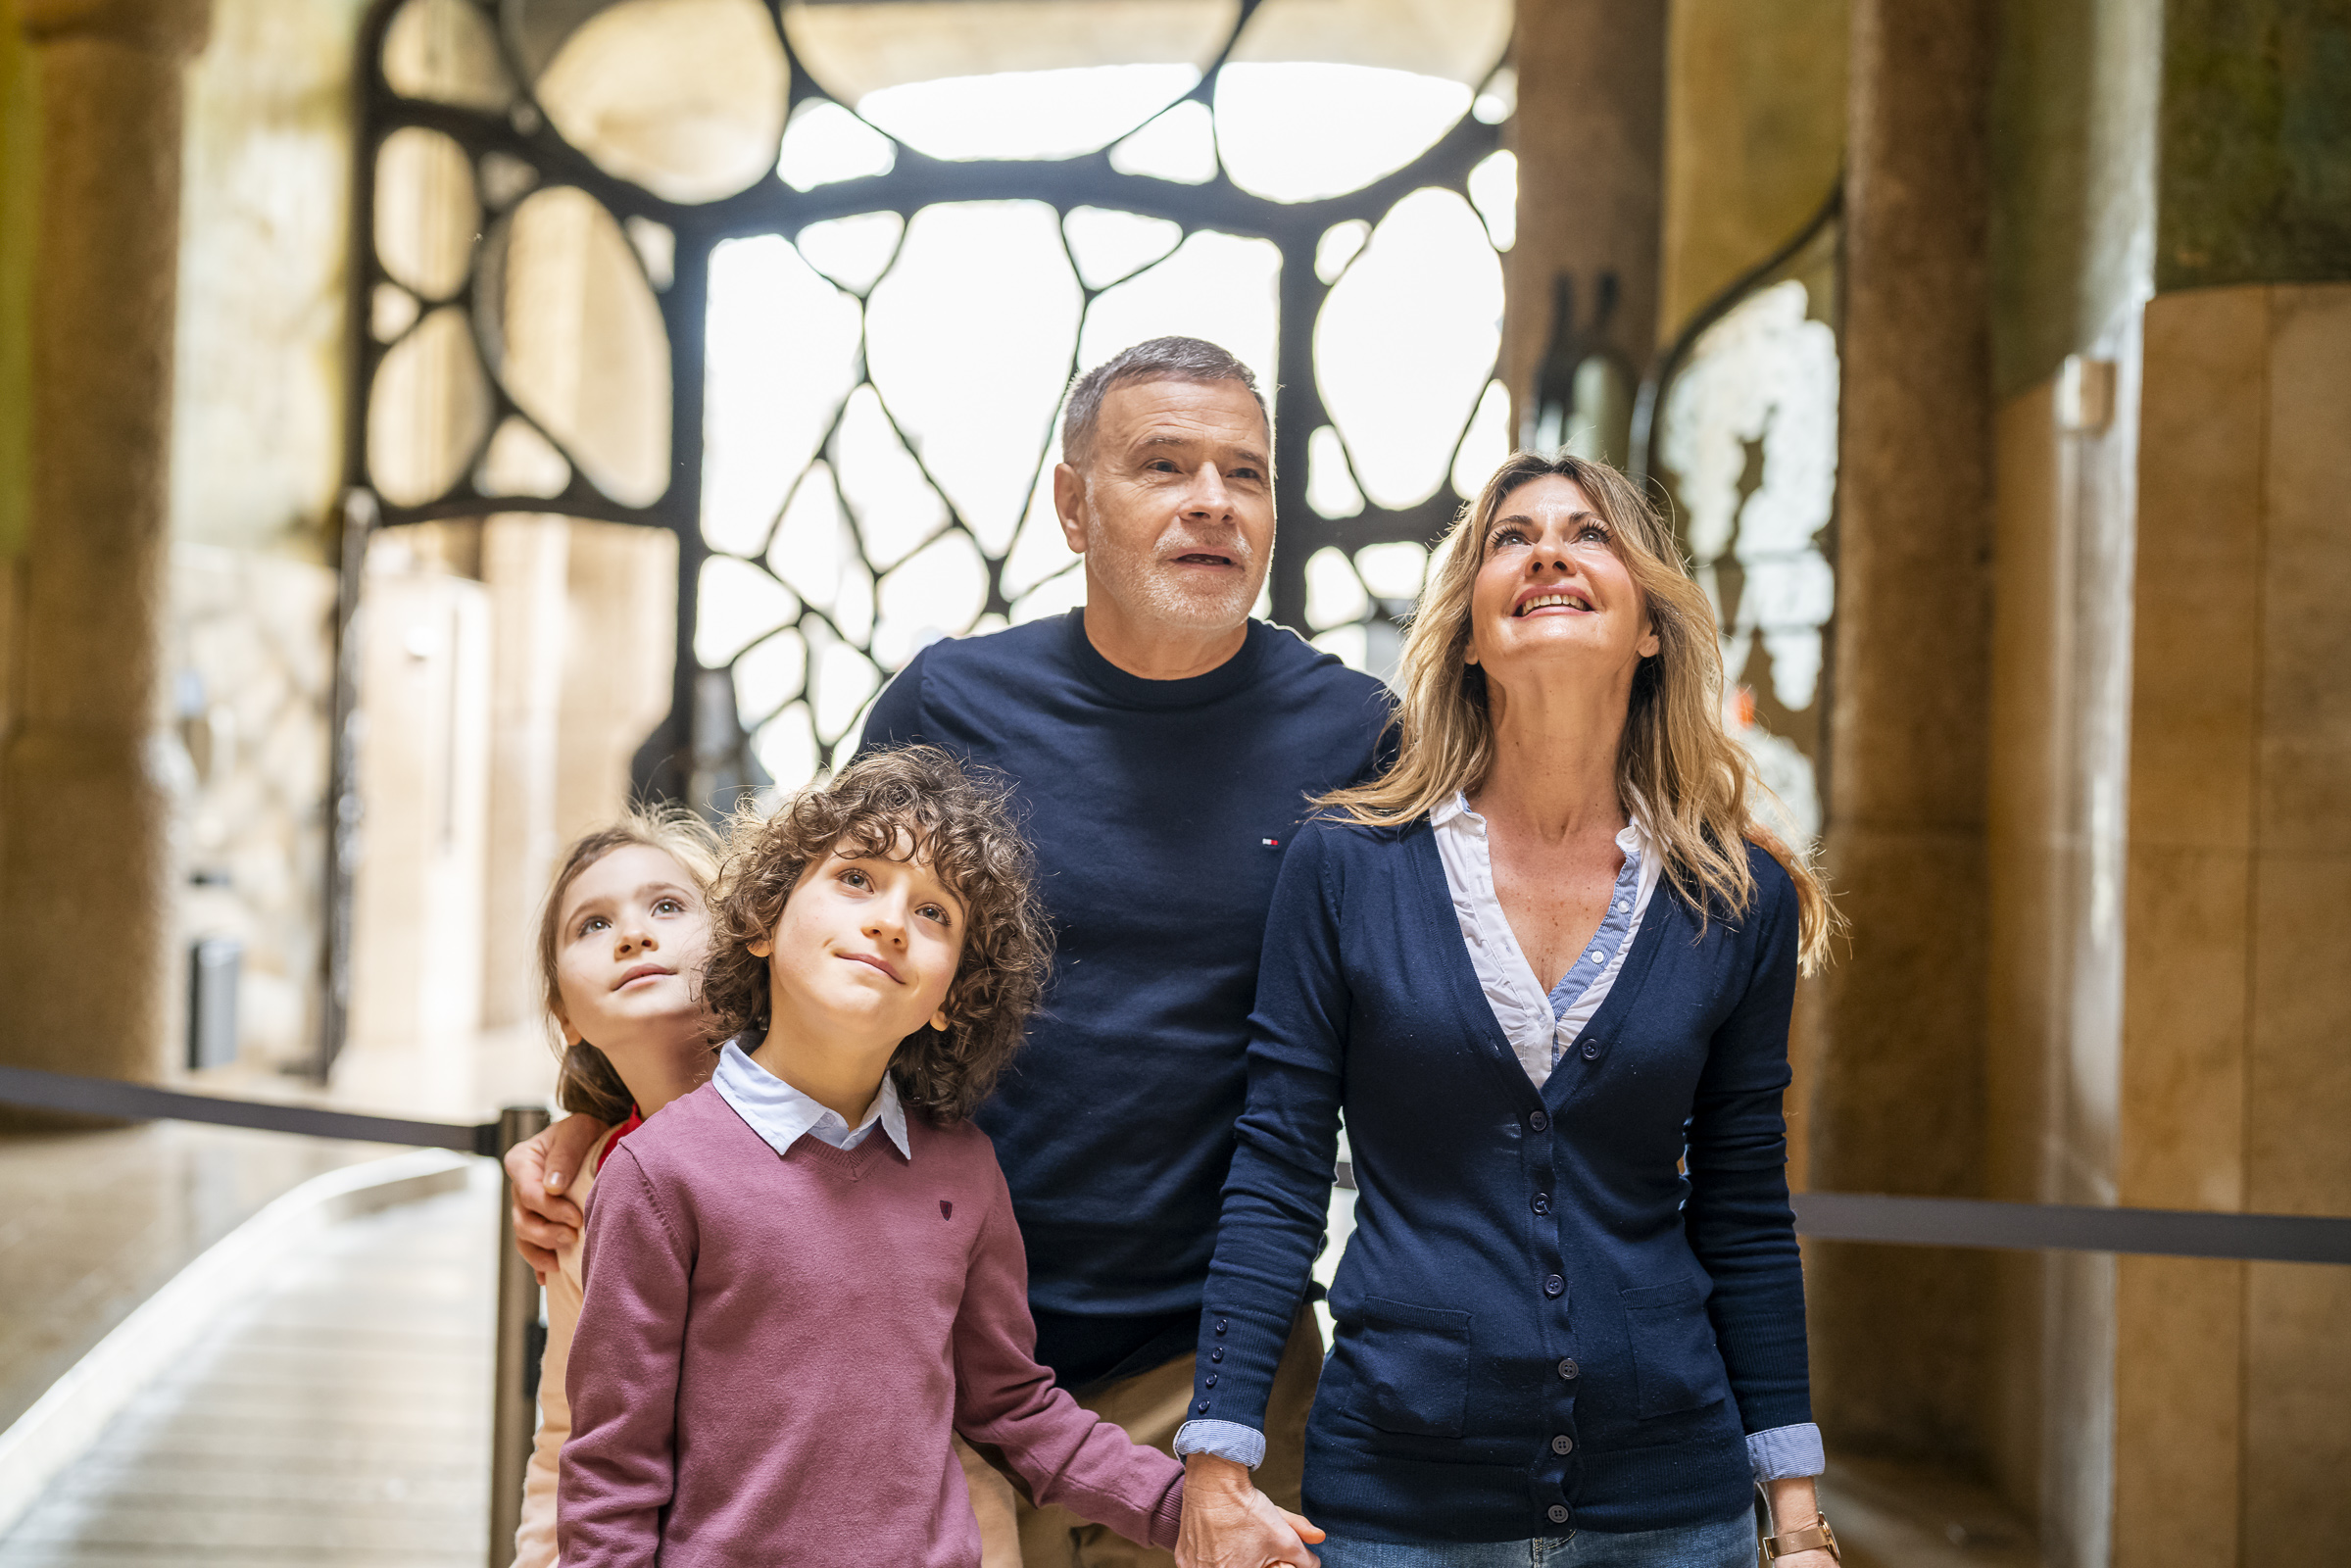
(634, 933)
(1551, 594)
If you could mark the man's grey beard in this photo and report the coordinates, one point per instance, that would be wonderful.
(1146, 591)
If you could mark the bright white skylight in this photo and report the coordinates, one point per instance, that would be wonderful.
(1026, 114)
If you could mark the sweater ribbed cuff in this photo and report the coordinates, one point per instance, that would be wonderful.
(1167, 1520)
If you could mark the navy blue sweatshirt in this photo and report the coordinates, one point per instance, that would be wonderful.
(1541, 1324)
(1160, 812)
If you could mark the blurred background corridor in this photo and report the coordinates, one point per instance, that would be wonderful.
(426, 425)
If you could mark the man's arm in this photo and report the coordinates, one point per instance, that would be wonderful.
(540, 1171)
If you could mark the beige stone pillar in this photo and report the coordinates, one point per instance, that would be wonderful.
(86, 863)
(1897, 1330)
(1589, 140)
(525, 566)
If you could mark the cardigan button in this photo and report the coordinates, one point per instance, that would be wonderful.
(1568, 1370)
(1221, 1325)
(1216, 1354)
(1563, 1444)
(1212, 1380)
(1543, 1203)
(1591, 1051)
(1556, 1514)
(1202, 1408)
(1540, 1121)
(1553, 1285)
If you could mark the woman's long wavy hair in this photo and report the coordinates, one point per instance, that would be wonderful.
(916, 801)
(587, 1082)
(1679, 775)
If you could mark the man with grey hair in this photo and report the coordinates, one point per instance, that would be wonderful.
(1164, 746)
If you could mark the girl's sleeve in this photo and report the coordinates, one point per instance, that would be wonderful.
(619, 1469)
(1068, 1457)
(1738, 1217)
(534, 1538)
(1277, 1198)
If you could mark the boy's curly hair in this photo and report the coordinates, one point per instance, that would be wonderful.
(919, 800)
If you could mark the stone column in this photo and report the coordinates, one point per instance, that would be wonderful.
(87, 862)
(1899, 1107)
(1589, 138)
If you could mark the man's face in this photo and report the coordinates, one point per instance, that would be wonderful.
(1173, 509)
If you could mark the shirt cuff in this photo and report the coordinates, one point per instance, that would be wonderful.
(1783, 1454)
(1226, 1440)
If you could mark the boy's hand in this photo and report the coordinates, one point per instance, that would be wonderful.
(1228, 1523)
(540, 1170)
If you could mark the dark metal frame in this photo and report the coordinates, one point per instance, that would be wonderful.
(665, 764)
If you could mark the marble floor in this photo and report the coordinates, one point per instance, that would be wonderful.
(338, 1415)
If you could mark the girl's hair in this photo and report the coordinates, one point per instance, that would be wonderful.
(895, 804)
(1679, 773)
(587, 1081)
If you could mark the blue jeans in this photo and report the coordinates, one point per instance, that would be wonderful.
(1728, 1544)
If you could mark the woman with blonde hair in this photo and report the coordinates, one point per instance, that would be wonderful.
(1544, 967)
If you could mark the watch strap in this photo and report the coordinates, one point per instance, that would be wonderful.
(1814, 1536)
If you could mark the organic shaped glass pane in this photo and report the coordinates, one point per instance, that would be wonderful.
(1484, 444)
(1040, 550)
(1109, 245)
(428, 411)
(852, 251)
(521, 461)
(737, 606)
(841, 680)
(655, 245)
(1405, 344)
(1179, 146)
(1055, 596)
(1335, 595)
(1026, 114)
(1330, 488)
(575, 335)
(1767, 374)
(506, 179)
(857, 49)
(1460, 39)
(786, 747)
(1497, 100)
(813, 544)
(445, 52)
(825, 144)
(895, 507)
(936, 592)
(781, 355)
(768, 675)
(1493, 187)
(1348, 644)
(683, 97)
(1340, 244)
(427, 217)
(1216, 286)
(981, 296)
(1394, 570)
(391, 311)
(1302, 132)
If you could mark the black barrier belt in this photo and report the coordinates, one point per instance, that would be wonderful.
(2072, 1228)
(111, 1097)
(1822, 1216)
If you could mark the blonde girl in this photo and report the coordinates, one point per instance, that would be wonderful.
(622, 943)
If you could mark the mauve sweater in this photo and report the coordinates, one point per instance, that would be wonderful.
(775, 1349)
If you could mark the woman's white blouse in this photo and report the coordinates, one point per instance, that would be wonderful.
(1539, 1027)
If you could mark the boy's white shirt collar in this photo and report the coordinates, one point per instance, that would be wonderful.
(782, 1115)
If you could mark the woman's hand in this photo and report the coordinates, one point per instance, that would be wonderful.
(1228, 1523)
(1794, 1506)
(540, 1170)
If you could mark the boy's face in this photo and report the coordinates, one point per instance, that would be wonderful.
(867, 944)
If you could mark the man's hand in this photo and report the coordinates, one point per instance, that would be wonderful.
(1228, 1523)
(539, 1170)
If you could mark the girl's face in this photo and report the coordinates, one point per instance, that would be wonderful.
(866, 946)
(1551, 589)
(633, 936)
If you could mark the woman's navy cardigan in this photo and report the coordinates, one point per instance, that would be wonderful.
(1543, 1324)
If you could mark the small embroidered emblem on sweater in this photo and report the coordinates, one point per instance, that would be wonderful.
(947, 1208)
(1271, 844)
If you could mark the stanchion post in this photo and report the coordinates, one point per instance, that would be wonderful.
(512, 1423)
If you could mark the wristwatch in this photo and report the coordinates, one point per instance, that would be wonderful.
(1814, 1536)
